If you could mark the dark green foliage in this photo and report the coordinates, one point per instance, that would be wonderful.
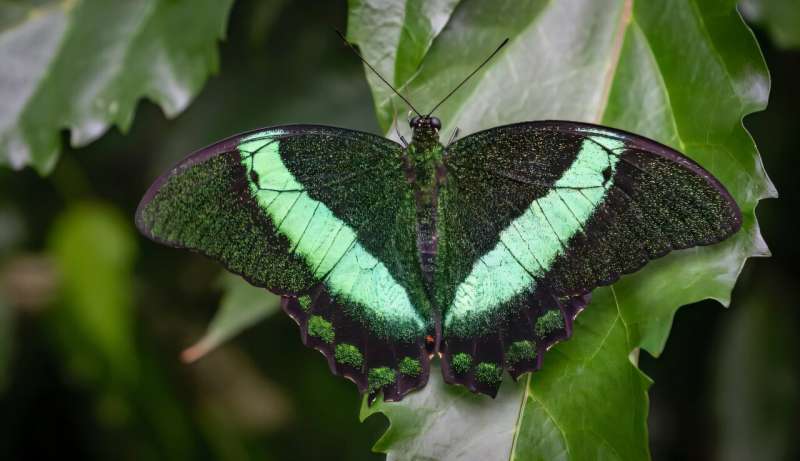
(685, 74)
(69, 44)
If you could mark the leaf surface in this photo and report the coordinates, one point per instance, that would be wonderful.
(400, 34)
(241, 307)
(84, 64)
(684, 73)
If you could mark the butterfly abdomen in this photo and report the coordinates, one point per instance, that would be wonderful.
(425, 172)
(426, 233)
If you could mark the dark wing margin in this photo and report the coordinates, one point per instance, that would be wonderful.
(560, 223)
(322, 216)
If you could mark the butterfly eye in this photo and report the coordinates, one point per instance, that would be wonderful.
(436, 123)
(414, 121)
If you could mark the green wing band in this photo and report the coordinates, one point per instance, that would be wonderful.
(328, 245)
(528, 246)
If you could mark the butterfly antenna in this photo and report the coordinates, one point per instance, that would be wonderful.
(350, 45)
(468, 77)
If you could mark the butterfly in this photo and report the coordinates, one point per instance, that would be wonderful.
(481, 252)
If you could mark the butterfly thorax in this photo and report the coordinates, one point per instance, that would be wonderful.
(424, 154)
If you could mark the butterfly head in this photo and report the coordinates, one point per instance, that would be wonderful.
(426, 130)
(425, 122)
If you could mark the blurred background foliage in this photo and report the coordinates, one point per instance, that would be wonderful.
(94, 320)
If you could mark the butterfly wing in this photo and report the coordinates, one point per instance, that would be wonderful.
(324, 217)
(533, 216)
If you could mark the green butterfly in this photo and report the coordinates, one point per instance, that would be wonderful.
(482, 251)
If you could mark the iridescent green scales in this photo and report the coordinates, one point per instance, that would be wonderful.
(481, 252)
(410, 367)
(380, 377)
(520, 351)
(529, 245)
(549, 322)
(321, 328)
(461, 363)
(488, 373)
(327, 244)
(347, 354)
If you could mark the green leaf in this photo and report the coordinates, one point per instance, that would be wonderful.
(396, 35)
(780, 17)
(83, 64)
(242, 306)
(684, 73)
(93, 247)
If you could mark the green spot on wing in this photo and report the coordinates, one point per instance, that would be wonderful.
(410, 367)
(520, 351)
(305, 302)
(488, 373)
(380, 377)
(321, 328)
(347, 354)
(461, 363)
(548, 323)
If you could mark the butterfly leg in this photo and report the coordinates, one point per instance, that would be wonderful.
(452, 136)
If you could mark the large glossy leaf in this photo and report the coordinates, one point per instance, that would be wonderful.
(241, 307)
(82, 65)
(682, 72)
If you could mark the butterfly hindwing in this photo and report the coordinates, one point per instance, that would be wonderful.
(324, 217)
(544, 212)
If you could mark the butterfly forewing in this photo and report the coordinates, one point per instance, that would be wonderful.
(323, 216)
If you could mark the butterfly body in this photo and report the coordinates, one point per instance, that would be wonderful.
(425, 173)
(481, 252)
